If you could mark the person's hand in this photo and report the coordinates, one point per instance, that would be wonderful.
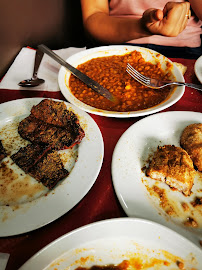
(170, 21)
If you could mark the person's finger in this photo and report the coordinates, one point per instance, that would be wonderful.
(152, 15)
(185, 16)
(179, 9)
(176, 17)
(159, 15)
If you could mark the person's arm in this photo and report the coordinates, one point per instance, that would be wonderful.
(196, 5)
(107, 29)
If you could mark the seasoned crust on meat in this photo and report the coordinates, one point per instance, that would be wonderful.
(42, 163)
(172, 165)
(29, 155)
(49, 170)
(2, 151)
(191, 141)
(50, 123)
(39, 132)
(52, 112)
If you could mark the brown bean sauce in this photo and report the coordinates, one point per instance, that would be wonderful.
(111, 73)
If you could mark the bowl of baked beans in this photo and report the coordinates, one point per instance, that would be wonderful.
(107, 66)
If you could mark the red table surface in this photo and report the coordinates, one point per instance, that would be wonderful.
(101, 202)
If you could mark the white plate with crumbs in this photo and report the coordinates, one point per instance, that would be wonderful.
(126, 243)
(135, 191)
(118, 50)
(25, 204)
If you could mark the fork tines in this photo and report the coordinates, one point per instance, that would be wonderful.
(136, 75)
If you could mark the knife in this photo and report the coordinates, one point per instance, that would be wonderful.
(83, 77)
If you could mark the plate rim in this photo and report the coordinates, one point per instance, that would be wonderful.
(196, 66)
(94, 132)
(94, 225)
(89, 109)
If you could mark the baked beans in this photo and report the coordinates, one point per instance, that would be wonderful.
(111, 73)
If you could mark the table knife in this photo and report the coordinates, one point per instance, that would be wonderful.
(83, 77)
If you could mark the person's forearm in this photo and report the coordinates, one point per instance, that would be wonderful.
(197, 7)
(113, 30)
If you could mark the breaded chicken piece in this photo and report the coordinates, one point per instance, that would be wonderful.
(172, 165)
(191, 141)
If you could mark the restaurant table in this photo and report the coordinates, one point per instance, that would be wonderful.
(100, 202)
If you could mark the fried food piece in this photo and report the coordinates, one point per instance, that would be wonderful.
(49, 170)
(2, 151)
(172, 165)
(191, 141)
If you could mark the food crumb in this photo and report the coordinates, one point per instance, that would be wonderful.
(190, 222)
(185, 206)
(197, 202)
(180, 265)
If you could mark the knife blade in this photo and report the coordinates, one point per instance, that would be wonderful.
(83, 77)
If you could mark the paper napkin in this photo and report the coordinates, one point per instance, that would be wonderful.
(23, 65)
(3, 260)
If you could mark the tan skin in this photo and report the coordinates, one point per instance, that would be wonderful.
(170, 21)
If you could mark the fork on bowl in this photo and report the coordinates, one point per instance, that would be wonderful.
(154, 83)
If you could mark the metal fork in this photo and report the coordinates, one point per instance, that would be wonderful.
(154, 83)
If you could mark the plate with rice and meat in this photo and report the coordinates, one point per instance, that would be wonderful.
(43, 164)
(158, 175)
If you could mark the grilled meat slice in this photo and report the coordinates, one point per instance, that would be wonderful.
(173, 166)
(2, 151)
(41, 127)
(56, 113)
(191, 141)
(29, 155)
(49, 170)
(42, 163)
(38, 132)
(53, 112)
(27, 128)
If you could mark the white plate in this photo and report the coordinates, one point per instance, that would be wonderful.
(198, 68)
(112, 241)
(149, 55)
(27, 216)
(130, 156)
